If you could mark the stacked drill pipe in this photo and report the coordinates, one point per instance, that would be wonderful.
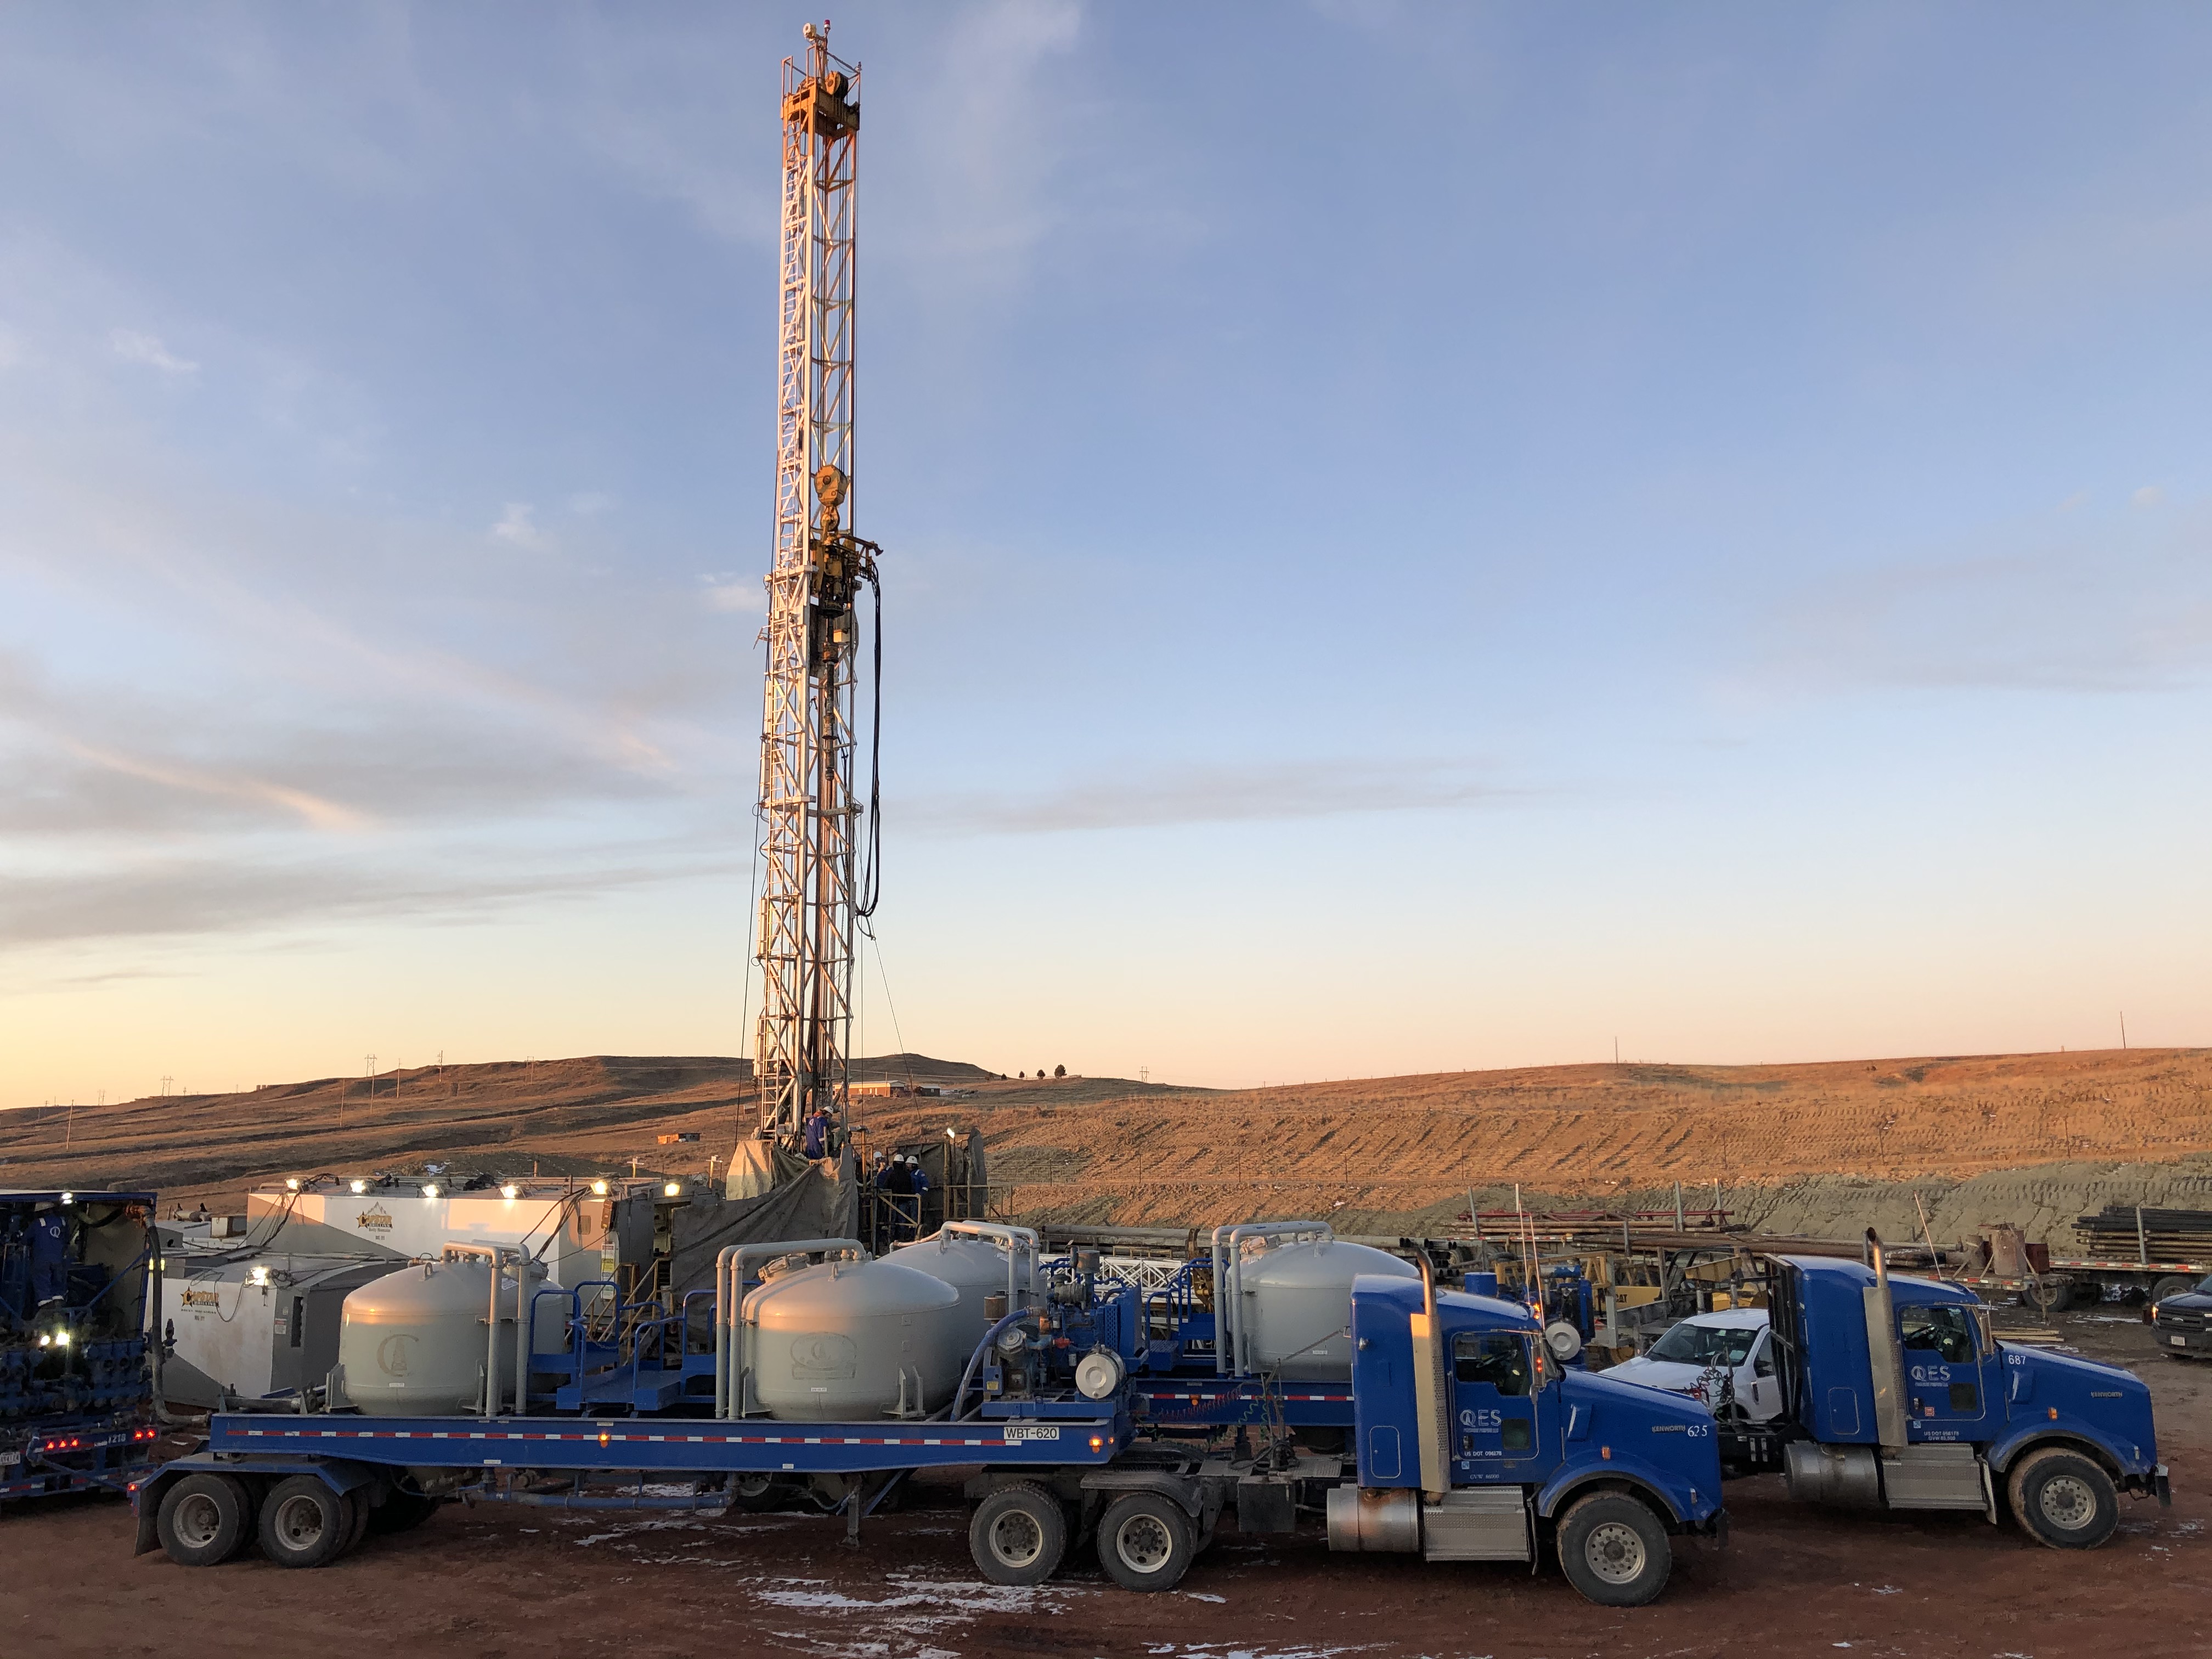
(2121, 1232)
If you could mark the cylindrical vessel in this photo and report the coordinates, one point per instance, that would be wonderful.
(850, 1340)
(975, 1267)
(1846, 1477)
(412, 1343)
(1297, 1306)
(1374, 1518)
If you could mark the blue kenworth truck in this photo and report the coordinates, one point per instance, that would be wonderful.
(1899, 1395)
(1470, 1442)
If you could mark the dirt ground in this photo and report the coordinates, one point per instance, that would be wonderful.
(494, 1584)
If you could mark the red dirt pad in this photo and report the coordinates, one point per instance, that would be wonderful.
(498, 1583)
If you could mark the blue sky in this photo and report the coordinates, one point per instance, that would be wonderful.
(1416, 536)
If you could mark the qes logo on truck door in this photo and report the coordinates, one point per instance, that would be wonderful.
(1482, 1422)
(1931, 1373)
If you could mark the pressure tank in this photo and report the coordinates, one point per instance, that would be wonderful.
(1297, 1306)
(849, 1339)
(974, 1266)
(412, 1342)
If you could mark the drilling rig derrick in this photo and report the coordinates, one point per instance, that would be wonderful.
(810, 816)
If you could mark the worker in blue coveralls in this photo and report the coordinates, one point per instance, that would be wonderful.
(817, 1131)
(920, 1191)
(49, 1256)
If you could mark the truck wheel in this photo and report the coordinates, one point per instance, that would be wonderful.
(203, 1520)
(762, 1494)
(304, 1523)
(1017, 1535)
(1144, 1541)
(2063, 1499)
(402, 1512)
(1615, 1550)
(2172, 1285)
(357, 1506)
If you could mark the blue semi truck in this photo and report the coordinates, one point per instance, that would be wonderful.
(1470, 1443)
(1897, 1395)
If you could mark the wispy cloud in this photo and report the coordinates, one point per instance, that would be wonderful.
(1226, 794)
(518, 526)
(724, 591)
(216, 896)
(316, 810)
(2114, 607)
(134, 347)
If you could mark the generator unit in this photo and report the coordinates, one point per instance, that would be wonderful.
(256, 1328)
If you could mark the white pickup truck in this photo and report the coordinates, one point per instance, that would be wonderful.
(1696, 1356)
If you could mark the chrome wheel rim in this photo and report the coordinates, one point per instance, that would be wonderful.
(2067, 1502)
(1144, 1543)
(197, 1521)
(299, 1523)
(1614, 1551)
(1017, 1539)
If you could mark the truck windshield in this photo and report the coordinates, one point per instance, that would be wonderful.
(1690, 1344)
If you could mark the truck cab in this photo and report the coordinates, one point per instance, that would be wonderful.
(1898, 1395)
(1474, 1444)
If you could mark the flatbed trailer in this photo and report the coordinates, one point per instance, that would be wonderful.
(1467, 1443)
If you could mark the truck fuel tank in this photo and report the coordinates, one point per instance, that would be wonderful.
(1842, 1477)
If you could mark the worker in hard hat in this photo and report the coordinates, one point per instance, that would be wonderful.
(818, 1128)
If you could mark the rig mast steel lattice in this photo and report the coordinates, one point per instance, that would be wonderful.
(811, 820)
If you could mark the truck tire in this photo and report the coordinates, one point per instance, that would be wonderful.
(2172, 1285)
(402, 1512)
(1146, 1541)
(204, 1519)
(762, 1494)
(304, 1523)
(1615, 1550)
(2063, 1499)
(357, 1505)
(1017, 1535)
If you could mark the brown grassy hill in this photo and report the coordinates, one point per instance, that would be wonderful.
(1379, 1152)
(594, 1112)
(1401, 1143)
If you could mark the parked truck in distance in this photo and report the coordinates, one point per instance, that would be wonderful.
(1898, 1395)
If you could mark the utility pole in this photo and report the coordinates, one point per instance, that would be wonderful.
(808, 904)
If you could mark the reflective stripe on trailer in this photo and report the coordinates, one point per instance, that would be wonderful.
(604, 1438)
